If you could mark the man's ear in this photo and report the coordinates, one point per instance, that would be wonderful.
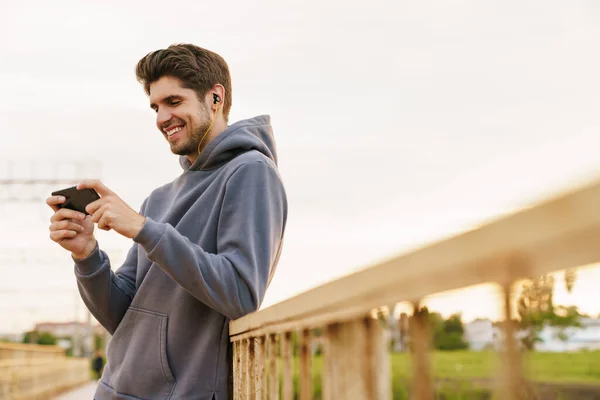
(217, 95)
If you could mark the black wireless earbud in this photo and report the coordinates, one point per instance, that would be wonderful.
(216, 98)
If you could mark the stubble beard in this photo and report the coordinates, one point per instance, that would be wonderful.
(190, 146)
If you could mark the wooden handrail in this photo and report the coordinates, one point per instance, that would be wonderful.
(14, 363)
(31, 348)
(30, 371)
(560, 233)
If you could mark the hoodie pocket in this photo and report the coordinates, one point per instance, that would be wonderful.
(137, 356)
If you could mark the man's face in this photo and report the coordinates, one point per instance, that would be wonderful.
(180, 116)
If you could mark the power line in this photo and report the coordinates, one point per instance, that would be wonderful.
(33, 181)
(43, 256)
(54, 291)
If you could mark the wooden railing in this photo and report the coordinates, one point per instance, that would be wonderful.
(13, 351)
(561, 233)
(30, 371)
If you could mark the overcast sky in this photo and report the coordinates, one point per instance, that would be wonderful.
(397, 122)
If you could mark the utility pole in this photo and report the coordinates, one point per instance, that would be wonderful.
(90, 340)
(33, 181)
(76, 340)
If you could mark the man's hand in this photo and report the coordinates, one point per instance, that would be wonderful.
(71, 229)
(111, 212)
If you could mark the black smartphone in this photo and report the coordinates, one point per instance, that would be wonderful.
(77, 199)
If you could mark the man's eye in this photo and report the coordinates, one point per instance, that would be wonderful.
(175, 102)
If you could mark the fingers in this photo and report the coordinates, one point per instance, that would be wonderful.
(94, 184)
(55, 201)
(66, 213)
(104, 224)
(103, 218)
(95, 205)
(57, 236)
(64, 229)
(97, 215)
(66, 225)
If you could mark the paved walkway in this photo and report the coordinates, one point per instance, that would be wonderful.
(85, 392)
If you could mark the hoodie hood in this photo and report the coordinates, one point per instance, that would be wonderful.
(243, 136)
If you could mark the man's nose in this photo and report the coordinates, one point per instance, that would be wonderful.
(163, 117)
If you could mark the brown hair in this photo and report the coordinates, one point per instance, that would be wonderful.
(197, 68)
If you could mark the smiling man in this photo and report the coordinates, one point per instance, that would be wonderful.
(205, 246)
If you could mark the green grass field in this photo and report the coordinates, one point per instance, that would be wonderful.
(466, 375)
(581, 367)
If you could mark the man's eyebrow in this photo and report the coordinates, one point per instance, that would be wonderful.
(167, 99)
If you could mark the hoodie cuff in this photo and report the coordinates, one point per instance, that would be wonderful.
(150, 234)
(91, 264)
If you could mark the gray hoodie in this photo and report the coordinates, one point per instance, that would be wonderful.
(205, 256)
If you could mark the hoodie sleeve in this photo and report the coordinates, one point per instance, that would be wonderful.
(251, 224)
(107, 294)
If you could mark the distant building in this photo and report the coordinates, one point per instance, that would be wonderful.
(73, 335)
(482, 334)
(587, 337)
(67, 329)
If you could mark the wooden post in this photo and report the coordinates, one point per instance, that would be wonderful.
(512, 385)
(306, 387)
(259, 368)
(422, 385)
(245, 369)
(237, 371)
(328, 375)
(273, 373)
(251, 375)
(379, 384)
(288, 369)
(348, 372)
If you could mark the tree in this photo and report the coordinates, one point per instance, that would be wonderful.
(98, 342)
(30, 337)
(450, 336)
(47, 339)
(446, 334)
(536, 309)
(563, 318)
(43, 338)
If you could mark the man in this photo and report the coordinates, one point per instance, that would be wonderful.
(205, 246)
(98, 364)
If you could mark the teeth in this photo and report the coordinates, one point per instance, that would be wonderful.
(174, 130)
